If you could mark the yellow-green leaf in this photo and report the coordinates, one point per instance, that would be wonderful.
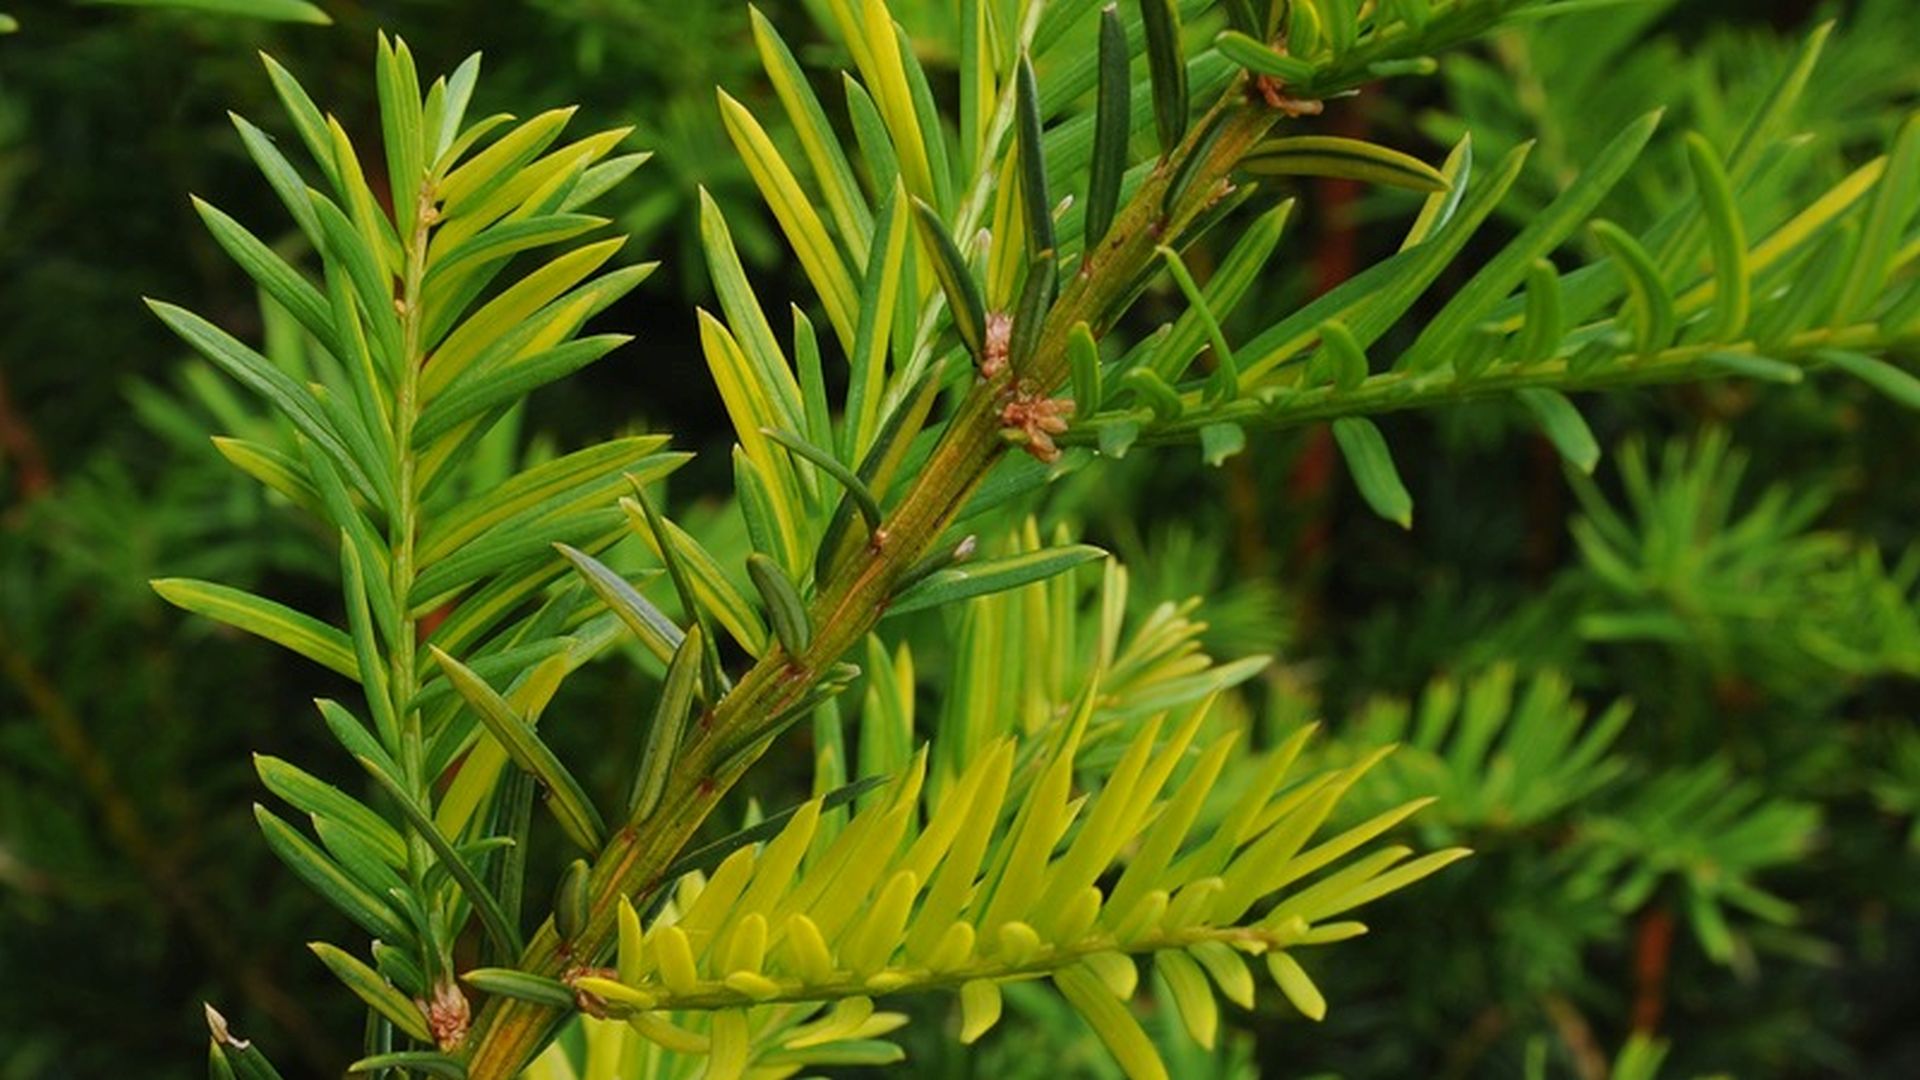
(1111, 1021)
(373, 989)
(325, 645)
(1348, 159)
(793, 210)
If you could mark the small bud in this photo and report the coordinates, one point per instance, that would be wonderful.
(999, 343)
(217, 1024)
(448, 1015)
(1032, 419)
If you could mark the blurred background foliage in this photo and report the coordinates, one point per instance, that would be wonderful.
(1671, 706)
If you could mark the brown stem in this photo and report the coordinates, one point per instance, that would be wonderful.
(18, 441)
(1589, 1061)
(1652, 950)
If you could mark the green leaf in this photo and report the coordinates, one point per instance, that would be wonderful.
(1750, 366)
(754, 380)
(354, 736)
(1733, 274)
(1167, 69)
(1226, 376)
(857, 489)
(366, 649)
(280, 281)
(1545, 322)
(1816, 286)
(870, 133)
(1563, 426)
(313, 796)
(299, 11)
(1348, 159)
(708, 856)
(1152, 389)
(402, 129)
(669, 725)
(1304, 23)
(1226, 288)
(570, 901)
(281, 176)
(1113, 123)
(218, 1068)
(785, 610)
(986, 576)
(1190, 168)
(1220, 441)
(498, 926)
(1478, 353)
(1033, 161)
(483, 609)
(1894, 202)
(1261, 60)
(1083, 361)
(887, 268)
(325, 645)
(1030, 312)
(763, 521)
(976, 69)
(1896, 384)
(528, 493)
(423, 1061)
(521, 986)
(533, 301)
(813, 381)
(967, 309)
(656, 632)
(703, 587)
(347, 248)
(980, 1004)
(927, 112)
(1371, 301)
(565, 797)
(233, 1057)
(503, 550)
(326, 877)
(1545, 232)
(306, 117)
(1439, 207)
(260, 375)
(1650, 301)
(1341, 24)
(453, 112)
(476, 395)
(373, 989)
(604, 177)
(1371, 464)
(1340, 360)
